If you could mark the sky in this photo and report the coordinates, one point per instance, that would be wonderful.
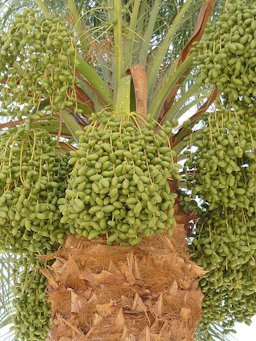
(244, 332)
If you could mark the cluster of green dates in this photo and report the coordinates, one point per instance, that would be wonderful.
(226, 55)
(225, 245)
(222, 173)
(225, 160)
(32, 309)
(119, 186)
(227, 308)
(229, 238)
(33, 177)
(221, 170)
(47, 82)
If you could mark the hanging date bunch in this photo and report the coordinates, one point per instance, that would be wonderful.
(32, 309)
(119, 184)
(225, 245)
(33, 175)
(49, 75)
(225, 239)
(225, 308)
(222, 170)
(226, 55)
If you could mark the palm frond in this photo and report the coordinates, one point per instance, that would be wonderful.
(214, 333)
(9, 265)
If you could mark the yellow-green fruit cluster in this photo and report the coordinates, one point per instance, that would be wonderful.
(222, 171)
(227, 53)
(226, 238)
(37, 62)
(227, 308)
(225, 245)
(119, 185)
(32, 310)
(33, 175)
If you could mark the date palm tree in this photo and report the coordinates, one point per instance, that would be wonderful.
(129, 57)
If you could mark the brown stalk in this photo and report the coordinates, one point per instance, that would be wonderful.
(66, 146)
(11, 124)
(18, 122)
(83, 98)
(139, 78)
(202, 21)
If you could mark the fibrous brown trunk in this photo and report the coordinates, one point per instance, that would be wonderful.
(146, 292)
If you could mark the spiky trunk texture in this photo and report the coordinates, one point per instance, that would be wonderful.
(111, 293)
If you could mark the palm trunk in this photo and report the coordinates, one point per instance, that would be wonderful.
(140, 293)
